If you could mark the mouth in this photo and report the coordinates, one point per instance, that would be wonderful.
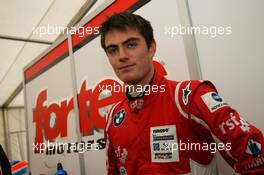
(125, 67)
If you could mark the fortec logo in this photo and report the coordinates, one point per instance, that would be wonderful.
(89, 103)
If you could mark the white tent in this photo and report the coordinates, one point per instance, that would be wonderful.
(21, 42)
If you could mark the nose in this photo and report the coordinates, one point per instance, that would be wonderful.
(123, 56)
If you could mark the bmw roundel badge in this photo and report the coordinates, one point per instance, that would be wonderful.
(119, 117)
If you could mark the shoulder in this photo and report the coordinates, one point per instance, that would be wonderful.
(185, 91)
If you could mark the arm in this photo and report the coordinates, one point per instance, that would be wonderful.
(226, 125)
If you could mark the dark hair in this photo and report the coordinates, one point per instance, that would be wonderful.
(124, 20)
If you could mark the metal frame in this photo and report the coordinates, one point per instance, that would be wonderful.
(13, 95)
(74, 79)
(6, 37)
(6, 132)
(26, 121)
(75, 102)
(13, 107)
(82, 12)
(189, 41)
(19, 136)
(94, 13)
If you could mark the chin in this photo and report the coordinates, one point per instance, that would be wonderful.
(128, 79)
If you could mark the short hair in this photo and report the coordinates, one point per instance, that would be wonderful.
(124, 20)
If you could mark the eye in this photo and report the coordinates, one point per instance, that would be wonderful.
(131, 44)
(111, 51)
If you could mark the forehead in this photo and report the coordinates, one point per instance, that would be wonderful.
(116, 36)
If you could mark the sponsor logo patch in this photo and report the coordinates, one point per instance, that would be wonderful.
(119, 117)
(233, 122)
(156, 146)
(161, 139)
(185, 94)
(122, 170)
(255, 163)
(122, 154)
(253, 148)
(213, 101)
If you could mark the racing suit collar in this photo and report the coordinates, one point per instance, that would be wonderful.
(137, 95)
(142, 99)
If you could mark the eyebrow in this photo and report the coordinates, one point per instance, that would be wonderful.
(124, 42)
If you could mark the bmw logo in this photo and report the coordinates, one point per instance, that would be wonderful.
(216, 97)
(119, 117)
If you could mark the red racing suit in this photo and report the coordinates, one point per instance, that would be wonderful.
(176, 128)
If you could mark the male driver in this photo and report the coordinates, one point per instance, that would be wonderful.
(171, 129)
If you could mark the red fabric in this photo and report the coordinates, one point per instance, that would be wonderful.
(129, 143)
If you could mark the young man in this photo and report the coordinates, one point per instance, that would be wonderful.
(168, 127)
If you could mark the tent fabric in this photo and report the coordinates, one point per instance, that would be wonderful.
(21, 42)
(21, 21)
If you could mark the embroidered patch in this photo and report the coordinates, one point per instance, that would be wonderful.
(185, 94)
(119, 117)
(161, 140)
(213, 101)
(253, 148)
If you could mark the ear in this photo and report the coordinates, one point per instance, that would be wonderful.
(152, 49)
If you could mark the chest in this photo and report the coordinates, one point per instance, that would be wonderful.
(153, 130)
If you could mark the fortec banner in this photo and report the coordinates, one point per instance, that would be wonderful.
(90, 118)
(69, 90)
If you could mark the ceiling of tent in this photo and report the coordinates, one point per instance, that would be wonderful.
(19, 41)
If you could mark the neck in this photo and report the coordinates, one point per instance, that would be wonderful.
(137, 88)
(146, 80)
